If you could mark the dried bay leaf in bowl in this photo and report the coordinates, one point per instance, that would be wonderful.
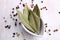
(25, 11)
(24, 21)
(36, 15)
(36, 10)
(32, 21)
(37, 21)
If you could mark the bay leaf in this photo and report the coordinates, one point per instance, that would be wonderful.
(24, 21)
(25, 12)
(37, 20)
(36, 10)
(32, 21)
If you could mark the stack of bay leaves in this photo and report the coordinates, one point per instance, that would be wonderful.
(30, 18)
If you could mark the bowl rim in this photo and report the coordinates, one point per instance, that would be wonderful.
(29, 31)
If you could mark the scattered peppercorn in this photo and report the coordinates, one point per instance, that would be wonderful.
(9, 26)
(5, 21)
(12, 11)
(23, 5)
(41, 1)
(45, 23)
(15, 15)
(19, 23)
(46, 26)
(17, 7)
(15, 19)
(43, 8)
(15, 23)
(49, 33)
(18, 34)
(55, 30)
(20, 3)
(12, 8)
(13, 33)
(32, 0)
(6, 26)
(46, 9)
(21, 0)
(59, 12)
(49, 30)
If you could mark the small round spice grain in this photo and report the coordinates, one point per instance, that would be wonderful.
(32, 0)
(8, 27)
(13, 33)
(59, 12)
(21, 0)
(18, 34)
(12, 8)
(20, 3)
(46, 9)
(55, 30)
(19, 23)
(15, 23)
(15, 19)
(49, 30)
(23, 5)
(12, 11)
(45, 23)
(49, 33)
(41, 1)
(41, 8)
(17, 7)
(46, 26)
(15, 15)
(5, 21)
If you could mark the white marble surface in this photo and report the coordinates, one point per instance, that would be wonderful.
(50, 16)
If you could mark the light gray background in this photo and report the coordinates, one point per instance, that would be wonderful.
(49, 16)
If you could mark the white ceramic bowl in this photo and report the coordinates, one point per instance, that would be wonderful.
(34, 34)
